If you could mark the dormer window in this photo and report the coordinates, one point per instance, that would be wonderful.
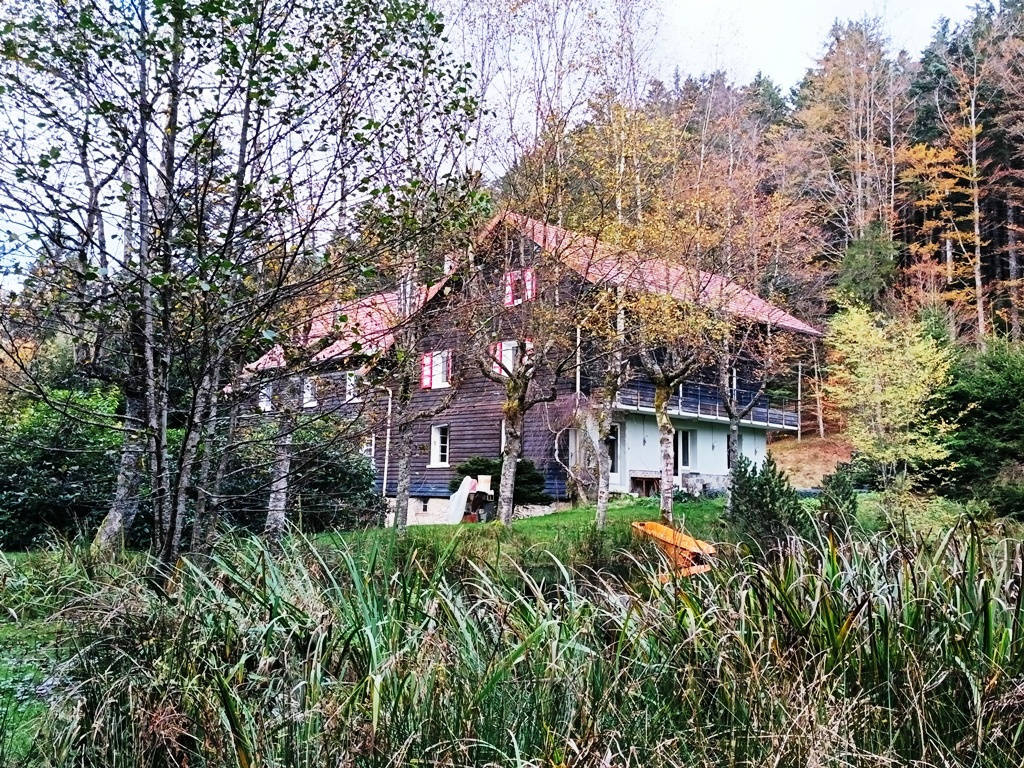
(519, 285)
(436, 369)
(506, 355)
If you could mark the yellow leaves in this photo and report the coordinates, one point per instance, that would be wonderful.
(886, 378)
(659, 320)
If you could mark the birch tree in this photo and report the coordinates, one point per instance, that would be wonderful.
(223, 153)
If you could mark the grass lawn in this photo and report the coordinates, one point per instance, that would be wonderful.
(529, 543)
(25, 655)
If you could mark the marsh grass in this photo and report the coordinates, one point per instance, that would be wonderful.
(867, 653)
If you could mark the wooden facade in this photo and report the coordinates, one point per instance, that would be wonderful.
(469, 412)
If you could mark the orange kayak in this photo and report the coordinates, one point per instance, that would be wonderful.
(688, 555)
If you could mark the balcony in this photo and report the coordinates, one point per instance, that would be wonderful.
(701, 401)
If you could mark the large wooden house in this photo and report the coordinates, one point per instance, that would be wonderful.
(458, 403)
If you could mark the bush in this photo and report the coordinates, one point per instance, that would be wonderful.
(838, 501)
(986, 393)
(764, 506)
(331, 484)
(529, 488)
(58, 465)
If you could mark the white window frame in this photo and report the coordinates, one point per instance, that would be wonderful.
(519, 286)
(441, 367)
(352, 387)
(265, 398)
(440, 362)
(503, 437)
(688, 435)
(436, 458)
(504, 354)
(614, 476)
(309, 392)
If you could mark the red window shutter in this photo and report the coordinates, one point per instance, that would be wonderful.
(510, 294)
(426, 370)
(448, 366)
(529, 284)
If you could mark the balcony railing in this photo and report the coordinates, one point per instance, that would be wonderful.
(701, 400)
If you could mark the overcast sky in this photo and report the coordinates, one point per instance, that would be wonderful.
(782, 38)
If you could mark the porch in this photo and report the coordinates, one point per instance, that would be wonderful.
(701, 401)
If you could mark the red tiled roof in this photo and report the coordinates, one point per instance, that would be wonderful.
(371, 321)
(599, 262)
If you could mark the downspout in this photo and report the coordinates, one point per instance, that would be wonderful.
(578, 364)
(387, 446)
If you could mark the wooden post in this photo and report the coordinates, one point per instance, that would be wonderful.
(817, 391)
(799, 400)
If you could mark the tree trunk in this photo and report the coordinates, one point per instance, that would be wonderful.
(279, 474)
(208, 504)
(203, 406)
(979, 285)
(510, 462)
(732, 452)
(1014, 271)
(596, 423)
(819, 406)
(666, 437)
(402, 472)
(118, 520)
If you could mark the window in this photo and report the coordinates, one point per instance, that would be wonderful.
(265, 401)
(436, 369)
(439, 445)
(612, 444)
(506, 355)
(368, 446)
(519, 285)
(352, 387)
(309, 393)
(681, 450)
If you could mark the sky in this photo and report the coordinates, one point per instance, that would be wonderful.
(781, 38)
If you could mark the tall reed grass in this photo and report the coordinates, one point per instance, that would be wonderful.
(871, 653)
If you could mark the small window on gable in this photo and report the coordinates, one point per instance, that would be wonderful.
(352, 388)
(309, 392)
(507, 355)
(265, 400)
(519, 285)
(439, 439)
(436, 369)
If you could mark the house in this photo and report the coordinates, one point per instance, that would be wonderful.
(459, 403)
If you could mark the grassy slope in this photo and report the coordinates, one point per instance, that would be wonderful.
(530, 543)
(809, 460)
